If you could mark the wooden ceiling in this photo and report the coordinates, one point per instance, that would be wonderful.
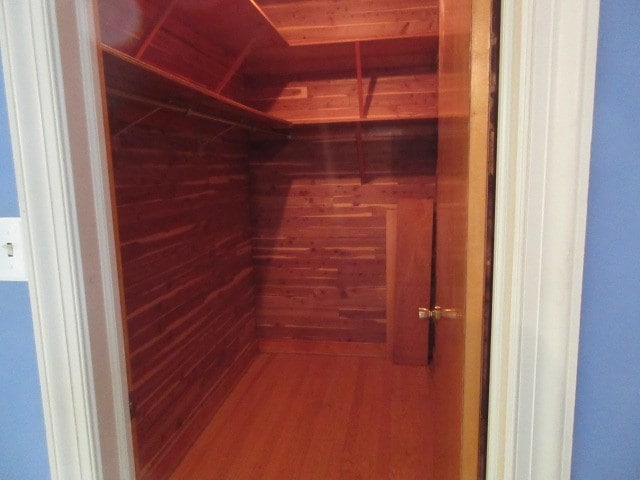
(304, 22)
(272, 36)
(229, 46)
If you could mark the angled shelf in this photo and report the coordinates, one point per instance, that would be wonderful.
(367, 81)
(127, 77)
(432, 115)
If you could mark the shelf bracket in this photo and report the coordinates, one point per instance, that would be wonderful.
(172, 107)
(137, 121)
(156, 28)
(210, 140)
(237, 63)
(359, 147)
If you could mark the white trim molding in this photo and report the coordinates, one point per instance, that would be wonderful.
(547, 78)
(49, 53)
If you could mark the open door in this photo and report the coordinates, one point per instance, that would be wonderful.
(463, 100)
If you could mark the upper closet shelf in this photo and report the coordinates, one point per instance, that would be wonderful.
(311, 22)
(139, 81)
(427, 115)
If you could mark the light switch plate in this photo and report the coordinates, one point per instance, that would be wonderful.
(12, 266)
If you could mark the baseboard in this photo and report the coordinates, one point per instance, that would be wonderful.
(323, 347)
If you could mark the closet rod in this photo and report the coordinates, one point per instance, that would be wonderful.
(190, 112)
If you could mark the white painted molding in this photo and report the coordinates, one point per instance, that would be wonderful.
(547, 77)
(49, 54)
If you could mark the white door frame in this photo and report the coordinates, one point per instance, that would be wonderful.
(55, 104)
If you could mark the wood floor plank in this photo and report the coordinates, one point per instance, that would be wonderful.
(334, 423)
(296, 416)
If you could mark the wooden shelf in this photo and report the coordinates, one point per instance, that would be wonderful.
(304, 23)
(368, 120)
(416, 53)
(419, 128)
(140, 80)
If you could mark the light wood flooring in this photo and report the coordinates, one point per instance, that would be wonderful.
(306, 417)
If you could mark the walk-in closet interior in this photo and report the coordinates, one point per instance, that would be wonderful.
(296, 185)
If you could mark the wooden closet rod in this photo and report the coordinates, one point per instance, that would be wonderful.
(189, 112)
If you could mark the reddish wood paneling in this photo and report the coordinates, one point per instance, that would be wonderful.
(225, 42)
(415, 53)
(128, 77)
(319, 235)
(196, 39)
(316, 100)
(185, 245)
(313, 21)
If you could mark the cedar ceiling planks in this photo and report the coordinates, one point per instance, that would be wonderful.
(229, 45)
(229, 24)
(326, 21)
(197, 39)
(215, 32)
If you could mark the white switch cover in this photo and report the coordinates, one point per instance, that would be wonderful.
(12, 268)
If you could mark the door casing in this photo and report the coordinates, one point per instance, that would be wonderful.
(55, 104)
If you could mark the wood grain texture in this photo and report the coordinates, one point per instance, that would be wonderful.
(420, 54)
(187, 274)
(480, 147)
(321, 347)
(387, 95)
(206, 42)
(316, 417)
(391, 250)
(313, 21)
(319, 235)
(157, 25)
(413, 280)
(123, 73)
(196, 39)
(128, 26)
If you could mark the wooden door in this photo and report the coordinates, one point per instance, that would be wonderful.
(412, 280)
(463, 91)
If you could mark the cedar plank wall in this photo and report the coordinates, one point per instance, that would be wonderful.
(399, 81)
(302, 99)
(185, 247)
(313, 21)
(319, 235)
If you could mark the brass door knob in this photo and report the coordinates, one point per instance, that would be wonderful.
(437, 313)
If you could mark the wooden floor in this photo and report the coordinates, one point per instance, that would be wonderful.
(305, 417)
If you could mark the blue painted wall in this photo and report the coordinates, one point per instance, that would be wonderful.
(607, 423)
(23, 450)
